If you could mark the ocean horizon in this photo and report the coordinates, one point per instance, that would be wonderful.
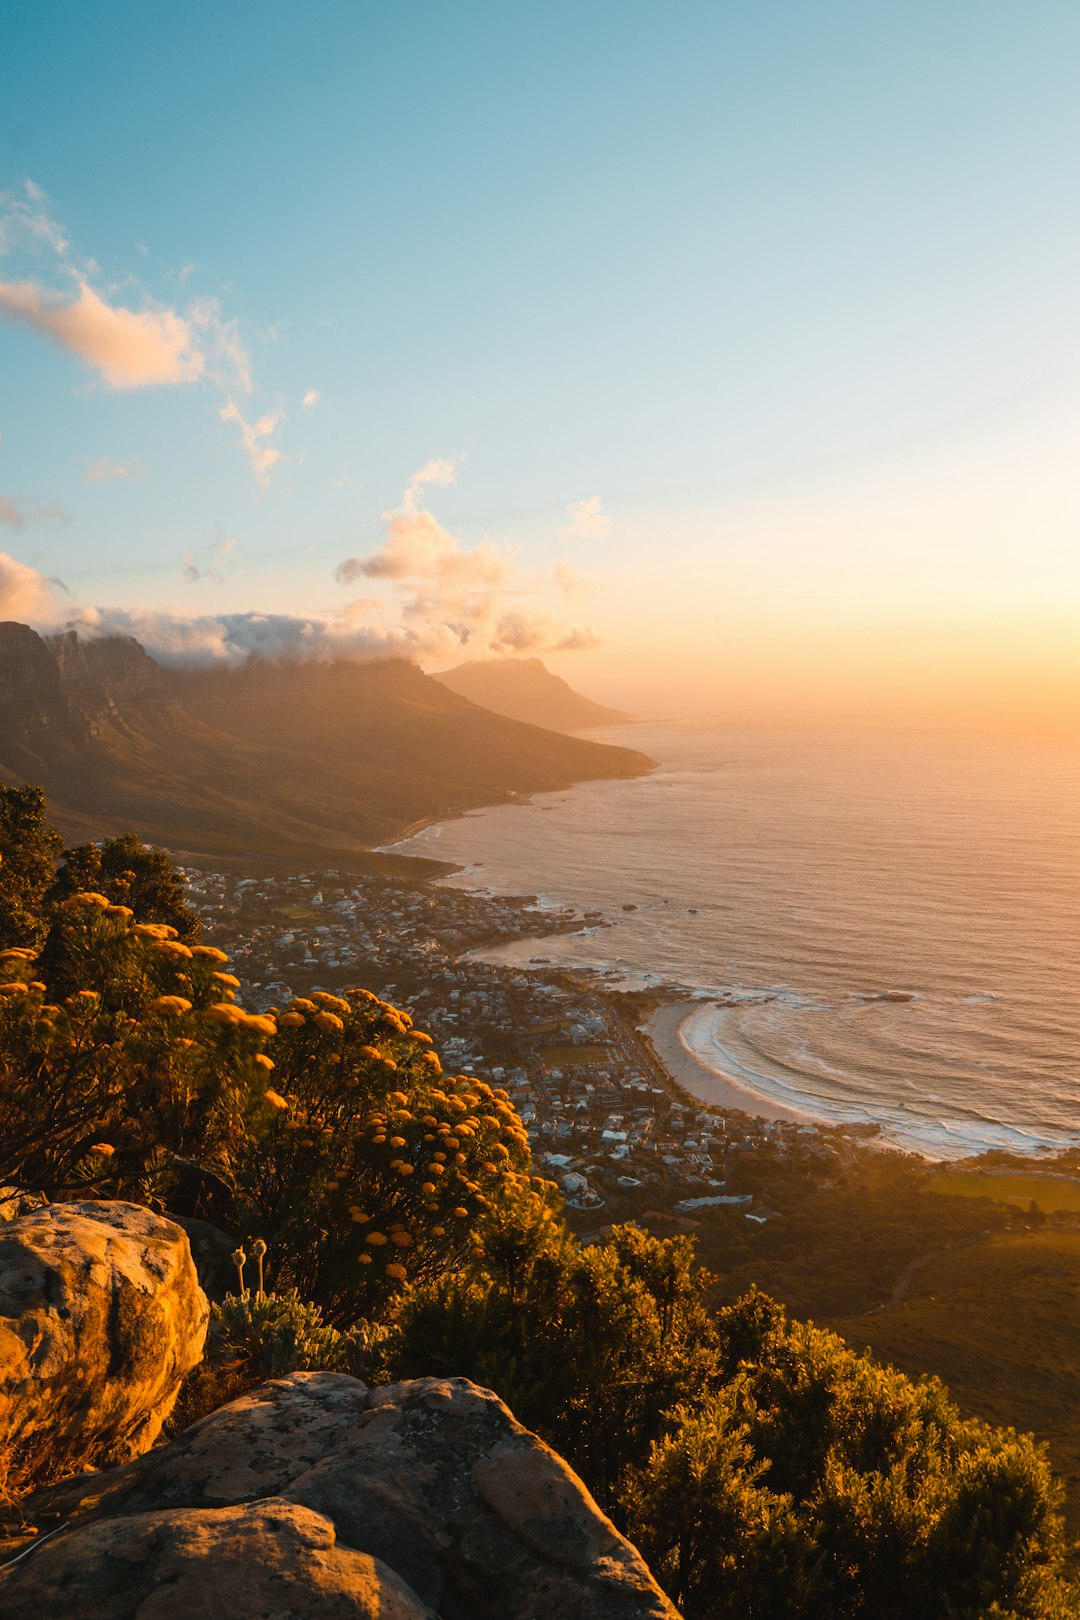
(871, 929)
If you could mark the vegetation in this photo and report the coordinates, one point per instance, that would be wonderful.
(765, 1468)
(1048, 1193)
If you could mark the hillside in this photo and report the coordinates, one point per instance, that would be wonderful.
(523, 689)
(286, 759)
(998, 1320)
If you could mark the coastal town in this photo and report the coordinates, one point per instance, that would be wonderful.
(605, 1119)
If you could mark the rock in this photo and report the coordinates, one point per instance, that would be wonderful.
(101, 1317)
(428, 1491)
(270, 1559)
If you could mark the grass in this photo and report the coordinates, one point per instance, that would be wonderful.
(1049, 1193)
(999, 1321)
(575, 1057)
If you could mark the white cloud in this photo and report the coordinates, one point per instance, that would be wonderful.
(130, 348)
(263, 458)
(450, 597)
(24, 593)
(311, 399)
(587, 521)
(100, 472)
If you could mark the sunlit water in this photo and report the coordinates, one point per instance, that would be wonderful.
(881, 929)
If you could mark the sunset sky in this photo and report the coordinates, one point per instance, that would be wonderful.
(727, 356)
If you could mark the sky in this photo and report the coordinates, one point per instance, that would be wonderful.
(727, 357)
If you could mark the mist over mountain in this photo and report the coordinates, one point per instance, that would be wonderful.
(265, 758)
(525, 689)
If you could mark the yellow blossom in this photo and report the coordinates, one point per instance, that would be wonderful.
(209, 953)
(396, 1271)
(329, 1021)
(276, 1100)
(263, 1061)
(170, 1006)
(377, 1238)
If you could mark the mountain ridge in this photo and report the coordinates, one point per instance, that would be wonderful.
(274, 758)
(525, 689)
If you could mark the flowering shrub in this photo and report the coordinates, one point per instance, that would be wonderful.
(380, 1169)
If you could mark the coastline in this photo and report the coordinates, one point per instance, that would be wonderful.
(703, 1083)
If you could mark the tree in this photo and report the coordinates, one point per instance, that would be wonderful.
(128, 873)
(28, 852)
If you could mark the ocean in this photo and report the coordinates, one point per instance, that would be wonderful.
(872, 929)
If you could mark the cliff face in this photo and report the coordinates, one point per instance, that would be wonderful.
(264, 758)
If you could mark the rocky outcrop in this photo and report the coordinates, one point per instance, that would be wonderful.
(101, 1317)
(315, 1496)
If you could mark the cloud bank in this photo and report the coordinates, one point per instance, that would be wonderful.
(451, 598)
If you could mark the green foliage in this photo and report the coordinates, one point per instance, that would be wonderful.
(377, 1169)
(590, 1346)
(271, 1335)
(128, 873)
(814, 1482)
(28, 851)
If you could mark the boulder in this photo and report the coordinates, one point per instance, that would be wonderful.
(313, 1491)
(101, 1317)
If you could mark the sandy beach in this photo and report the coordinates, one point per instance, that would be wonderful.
(719, 1091)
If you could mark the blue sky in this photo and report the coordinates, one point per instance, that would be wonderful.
(719, 325)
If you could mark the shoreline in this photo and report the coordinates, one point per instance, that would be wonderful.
(708, 1085)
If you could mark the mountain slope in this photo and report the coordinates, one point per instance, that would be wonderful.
(524, 689)
(267, 758)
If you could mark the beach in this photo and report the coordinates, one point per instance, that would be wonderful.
(707, 1085)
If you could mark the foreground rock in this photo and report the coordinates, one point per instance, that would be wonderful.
(314, 1496)
(101, 1317)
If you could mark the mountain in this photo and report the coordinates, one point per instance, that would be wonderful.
(523, 689)
(290, 759)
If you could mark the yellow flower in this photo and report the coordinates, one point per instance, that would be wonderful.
(209, 953)
(87, 897)
(329, 1021)
(275, 1099)
(438, 1231)
(106, 1149)
(402, 1240)
(170, 1006)
(301, 1005)
(377, 1238)
(396, 1271)
(263, 1061)
(364, 1259)
(461, 1213)
(428, 1187)
(13, 988)
(332, 1004)
(397, 1141)
(419, 1036)
(291, 1020)
(227, 978)
(432, 1061)
(369, 1051)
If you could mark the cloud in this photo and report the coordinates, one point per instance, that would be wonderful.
(263, 458)
(100, 472)
(450, 597)
(311, 399)
(134, 342)
(231, 638)
(18, 517)
(587, 521)
(131, 349)
(212, 570)
(24, 593)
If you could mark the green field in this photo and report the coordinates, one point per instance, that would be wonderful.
(575, 1057)
(1049, 1193)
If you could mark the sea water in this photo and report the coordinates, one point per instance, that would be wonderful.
(875, 929)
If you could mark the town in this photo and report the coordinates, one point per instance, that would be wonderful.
(605, 1120)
